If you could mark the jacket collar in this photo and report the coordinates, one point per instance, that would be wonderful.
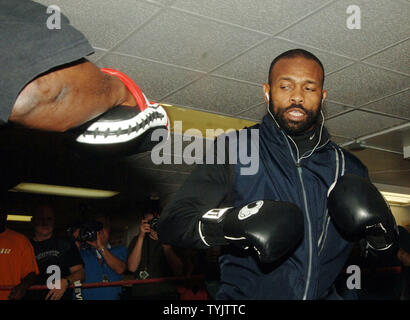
(274, 133)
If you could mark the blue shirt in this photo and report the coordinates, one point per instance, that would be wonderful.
(97, 270)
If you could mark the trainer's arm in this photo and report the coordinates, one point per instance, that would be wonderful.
(68, 96)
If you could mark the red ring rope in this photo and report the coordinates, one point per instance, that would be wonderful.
(395, 270)
(115, 283)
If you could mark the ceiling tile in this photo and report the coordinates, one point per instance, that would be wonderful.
(98, 53)
(217, 94)
(390, 141)
(339, 140)
(268, 16)
(382, 24)
(395, 58)
(255, 113)
(155, 80)
(105, 23)
(358, 123)
(254, 65)
(188, 41)
(398, 105)
(161, 2)
(359, 84)
(332, 109)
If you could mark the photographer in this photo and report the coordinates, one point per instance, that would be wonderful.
(103, 263)
(148, 258)
(53, 250)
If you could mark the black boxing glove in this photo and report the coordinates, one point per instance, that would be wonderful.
(271, 228)
(359, 211)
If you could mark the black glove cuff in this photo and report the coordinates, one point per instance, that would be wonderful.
(380, 238)
(211, 227)
(212, 234)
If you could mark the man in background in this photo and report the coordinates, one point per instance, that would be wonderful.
(149, 258)
(18, 267)
(56, 251)
(103, 263)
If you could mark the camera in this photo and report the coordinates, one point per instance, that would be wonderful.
(153, 223)
(88, 231)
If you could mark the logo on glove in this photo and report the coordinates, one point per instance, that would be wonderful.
(250, 210)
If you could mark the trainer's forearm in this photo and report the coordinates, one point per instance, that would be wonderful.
(67, 97)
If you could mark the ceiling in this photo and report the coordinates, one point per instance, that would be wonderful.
(214, 55)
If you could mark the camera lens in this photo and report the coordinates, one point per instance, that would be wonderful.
(154, 223)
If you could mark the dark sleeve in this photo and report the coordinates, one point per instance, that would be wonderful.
(28, 48)
(121, 253)
(207, 187)
(72, 256)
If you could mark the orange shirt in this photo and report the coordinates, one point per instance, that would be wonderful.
(17, 260)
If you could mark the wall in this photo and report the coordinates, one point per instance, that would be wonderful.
(402, 215)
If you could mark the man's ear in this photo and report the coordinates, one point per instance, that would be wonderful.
(266, 91)
(324, 95)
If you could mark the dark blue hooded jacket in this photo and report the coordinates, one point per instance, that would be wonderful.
(282, 174)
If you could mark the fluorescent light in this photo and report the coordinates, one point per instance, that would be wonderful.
(400, 198)
(21, 218)
(63, 190)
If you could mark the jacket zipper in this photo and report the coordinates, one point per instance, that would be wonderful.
(299, 169)
(310, 233)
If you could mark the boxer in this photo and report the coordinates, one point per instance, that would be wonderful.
(278, 237)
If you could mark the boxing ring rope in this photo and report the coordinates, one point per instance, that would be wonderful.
(191, 279)
(384, 270)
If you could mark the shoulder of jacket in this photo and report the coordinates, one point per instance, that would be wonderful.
(350, 157)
